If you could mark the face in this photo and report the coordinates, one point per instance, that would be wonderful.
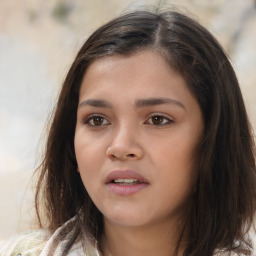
(137, 130)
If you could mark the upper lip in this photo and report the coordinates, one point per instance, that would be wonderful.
(125, 174)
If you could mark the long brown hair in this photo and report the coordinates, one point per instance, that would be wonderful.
(224, 202)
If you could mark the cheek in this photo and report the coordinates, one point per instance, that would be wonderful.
(175, 162)
(88, 169)
(177, 178)
(87, 159)
(86, 148)
(175, 152)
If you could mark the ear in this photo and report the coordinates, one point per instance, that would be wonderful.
(77, 169)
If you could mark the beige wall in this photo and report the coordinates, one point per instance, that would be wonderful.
(39, 38)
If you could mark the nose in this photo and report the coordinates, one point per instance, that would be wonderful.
(125, 145)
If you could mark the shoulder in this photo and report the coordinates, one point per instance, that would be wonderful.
(28, 243)
(57, 242)
(238, 252)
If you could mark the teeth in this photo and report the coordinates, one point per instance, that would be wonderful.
(126, 181)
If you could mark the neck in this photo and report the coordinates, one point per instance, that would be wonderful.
(160, 239)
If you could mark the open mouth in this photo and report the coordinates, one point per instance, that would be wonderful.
(126, 181)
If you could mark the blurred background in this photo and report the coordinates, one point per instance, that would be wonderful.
(38, 41)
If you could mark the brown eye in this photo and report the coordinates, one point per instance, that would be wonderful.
(159, 120)
(96, 121)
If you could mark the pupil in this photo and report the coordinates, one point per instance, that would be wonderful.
(157, 119)
(98, 120)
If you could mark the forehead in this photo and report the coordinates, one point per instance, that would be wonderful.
(146, 69)
(113, 62)
(124, 82)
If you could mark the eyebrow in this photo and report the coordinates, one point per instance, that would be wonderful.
(96, 103)
(140, 103)
(157, 101)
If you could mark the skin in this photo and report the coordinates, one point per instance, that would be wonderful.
(158, 141)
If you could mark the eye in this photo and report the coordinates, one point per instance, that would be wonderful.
(159, 120)
(95, 120)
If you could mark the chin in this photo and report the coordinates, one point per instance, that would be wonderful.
(127, 218)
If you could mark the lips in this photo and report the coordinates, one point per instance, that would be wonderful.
(125, 182)
(125, 174)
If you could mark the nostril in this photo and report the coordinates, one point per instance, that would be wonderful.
(124, 152)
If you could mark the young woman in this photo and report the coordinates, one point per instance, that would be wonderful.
(150, 151)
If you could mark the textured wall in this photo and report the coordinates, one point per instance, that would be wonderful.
(39, 38)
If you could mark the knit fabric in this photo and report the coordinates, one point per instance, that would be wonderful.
(39, 242)
(27, 244)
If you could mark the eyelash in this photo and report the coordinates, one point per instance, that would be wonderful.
(88, 119)
(166, 120)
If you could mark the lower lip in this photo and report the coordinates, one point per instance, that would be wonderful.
(126, 190)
